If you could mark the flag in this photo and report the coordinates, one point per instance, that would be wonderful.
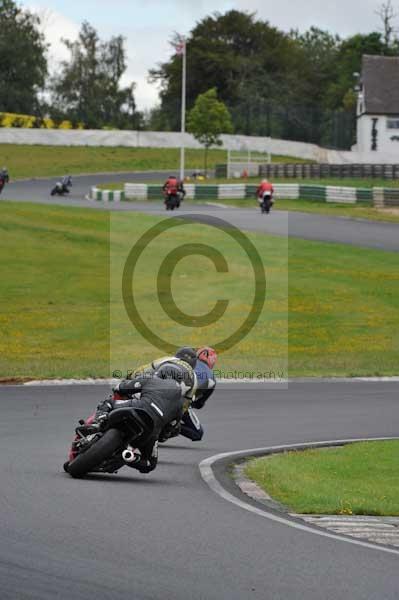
(180, 46)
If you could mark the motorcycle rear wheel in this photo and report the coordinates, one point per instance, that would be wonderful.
(96, 454)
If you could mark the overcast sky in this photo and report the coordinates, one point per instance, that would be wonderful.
(149, 24)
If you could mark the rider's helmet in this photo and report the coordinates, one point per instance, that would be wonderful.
(265, 181)
(187, 354)
(207, 355)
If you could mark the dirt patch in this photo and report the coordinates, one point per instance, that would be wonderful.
(14, 380)
(389, 211)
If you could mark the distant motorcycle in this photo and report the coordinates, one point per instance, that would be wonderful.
(265, 202)
(172, 199)
(62, 187)
(2, 183)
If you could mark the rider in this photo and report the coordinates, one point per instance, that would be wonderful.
(4, 175)
(150, 388)
(190, 426)
(265, 186)
(171, 185)
(66, 183)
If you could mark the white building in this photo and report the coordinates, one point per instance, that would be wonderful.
(378, 106)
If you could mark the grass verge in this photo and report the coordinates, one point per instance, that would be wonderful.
(334, 209)
(342, 308)
(359, 479)
(41, 161)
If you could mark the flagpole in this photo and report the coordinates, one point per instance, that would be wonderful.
(183, 110)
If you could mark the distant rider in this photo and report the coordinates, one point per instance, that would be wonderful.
(66, 183)
(265, 187)
(171, 185)
(4, 175)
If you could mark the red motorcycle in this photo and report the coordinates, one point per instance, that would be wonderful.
(172, 199)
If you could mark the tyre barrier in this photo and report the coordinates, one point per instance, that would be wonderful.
(292, 191)
(380, 197)
(107, 195)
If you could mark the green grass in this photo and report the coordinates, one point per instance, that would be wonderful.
(360, 479)
(340, 182)
(47, 161)
(363, 210)
(346, 182)
(55, 307)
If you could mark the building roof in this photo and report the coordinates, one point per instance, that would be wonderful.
(380, 82)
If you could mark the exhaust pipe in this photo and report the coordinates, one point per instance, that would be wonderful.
(130, 455)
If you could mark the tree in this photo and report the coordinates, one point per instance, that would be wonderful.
(387, 15)
(207, 120)
(23, 62)
(227, 51)
(291, 85)
(339, 90)
(88, 87)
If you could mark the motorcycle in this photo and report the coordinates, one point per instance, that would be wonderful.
(172, 200)
(265, 202)
(2, 183)
(61, 188)
(107, 448)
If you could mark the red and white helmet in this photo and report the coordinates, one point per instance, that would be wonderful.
(207, 355)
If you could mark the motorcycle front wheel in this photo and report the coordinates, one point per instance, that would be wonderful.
(96, 454)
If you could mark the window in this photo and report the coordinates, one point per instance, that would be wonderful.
(393, 123)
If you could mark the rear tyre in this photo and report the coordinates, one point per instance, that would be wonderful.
(96, 454)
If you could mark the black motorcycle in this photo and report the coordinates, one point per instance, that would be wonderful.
(60, 188)
(172, 200)
(265, 202)
(113, 446)
(2, 183)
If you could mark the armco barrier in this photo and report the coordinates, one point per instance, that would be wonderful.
(294, 191)
(107, 195)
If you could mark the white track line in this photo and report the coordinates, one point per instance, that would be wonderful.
(222, 381)
(208, 476)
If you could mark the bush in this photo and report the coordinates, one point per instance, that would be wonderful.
(29, 121)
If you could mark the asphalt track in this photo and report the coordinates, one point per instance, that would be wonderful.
(383, 236)
(166, 535)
